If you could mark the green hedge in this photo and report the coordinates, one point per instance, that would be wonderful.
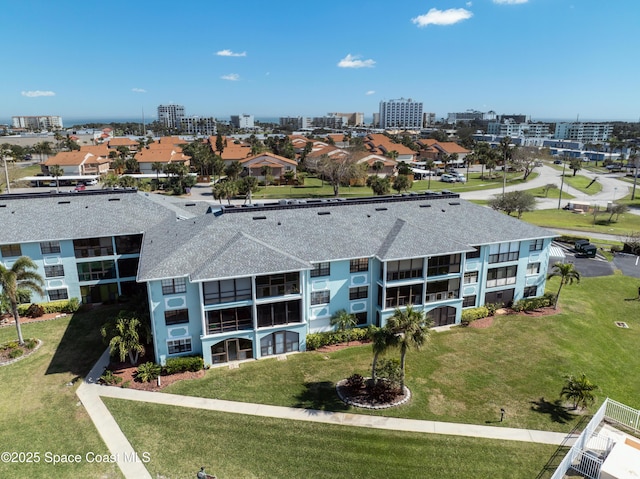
(531, 304)
(472, 314)
(63, 306)
(317, 340)
(182, 364)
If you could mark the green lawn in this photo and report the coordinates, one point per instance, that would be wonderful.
(236, 446)
(584, 222)
(581, 183)
(466, 375)
(315, 188)
(551, 193)
(39, 410)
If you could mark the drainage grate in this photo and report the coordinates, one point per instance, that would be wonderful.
(622, 324)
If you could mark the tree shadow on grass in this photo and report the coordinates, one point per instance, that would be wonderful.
(555, 410)
(321, 396)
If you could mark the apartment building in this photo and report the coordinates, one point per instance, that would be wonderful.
(584, 132)
(242, 121)
(170, 115)
(402, 113)
(37, 123)
(196, 125)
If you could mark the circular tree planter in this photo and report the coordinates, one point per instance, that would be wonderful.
(362, 400)
(26, 354)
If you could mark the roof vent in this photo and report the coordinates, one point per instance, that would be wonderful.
(454, 203)
(259, 217)
(381, 209)
(425, 205)
(3, 206)
(323, 213)
(113, 199)
(190, 204)
(64, 202)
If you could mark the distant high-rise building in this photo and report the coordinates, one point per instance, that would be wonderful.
(471, 115)
(37, 122)
(170, 115)
(242, 121)
(402, 113)
(584, 132)
(196, 125)
(350, 119)
(428, 119)
(294, 123)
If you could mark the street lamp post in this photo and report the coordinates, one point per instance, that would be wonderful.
(564, 166)
(6, 174)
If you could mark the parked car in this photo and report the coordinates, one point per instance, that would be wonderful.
(460, 177)
(80, 188)
(448, 178)
(557, 162)
(91, 182)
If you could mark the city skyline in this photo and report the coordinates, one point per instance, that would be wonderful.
(543, 58)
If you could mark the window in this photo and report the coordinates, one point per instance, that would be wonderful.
(90, 247)
(230, 319)
(471, 277)
(469, 301)
(361, 292)
(227, 291)
(404, 295)
(361, 318)
(536, 245)
(176, 346)
(10, 250)
(501, 276)
(49, 247)
(175, 285)
(273, 314)
(533, 268)
(499, 253)
(277, 285)
(279, 343)
(320, 297)
(530, 291)
(178, 316)
(404, 269)
(440, 265)
(441, 290)
(321, 269)
(127, 267)
(473, 254)
(96, 270)
(359, 265)
(128, 244)
(54, 271)
(56, 294)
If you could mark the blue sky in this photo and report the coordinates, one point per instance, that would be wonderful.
(549, 59)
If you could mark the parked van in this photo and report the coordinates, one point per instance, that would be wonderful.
(460, 177)
(448, 178)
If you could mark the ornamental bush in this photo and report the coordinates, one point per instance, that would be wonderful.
(182, 364)
(327, 338)
(148, 371)
(469, 315)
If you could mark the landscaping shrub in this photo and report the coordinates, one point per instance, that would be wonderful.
(10, 345)
(34, 311)
(15, 353)
(355, 382)
(30, 343)
(109, 378)
(531, 304)
(390, 371)
(384, 391)
(493, 307)
(317, 340)
(182, 364)
(63, 306)
(148, 371)
(469, 315)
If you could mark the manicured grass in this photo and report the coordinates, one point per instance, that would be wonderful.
(584, 222)
(180, 441)
(466, 375)
(551, 193)
(39, 410)
(315, 188)
(581, 183)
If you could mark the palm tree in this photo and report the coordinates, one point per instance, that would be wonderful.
(377, 167)
(344, 321)
(56, 171)
(233, 170)
(429, 164)
(19, 277)
(382, 339)
(265, 171)
(125, 338)
(411, 327)
(567, 273)
(580, 390)
(157, 166)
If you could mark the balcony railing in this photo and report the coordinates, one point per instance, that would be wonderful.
(443, 295)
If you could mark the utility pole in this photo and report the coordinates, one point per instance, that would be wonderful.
(564, 166)
(6, 173)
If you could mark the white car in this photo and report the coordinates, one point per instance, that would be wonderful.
(91, 182)
(448, 178)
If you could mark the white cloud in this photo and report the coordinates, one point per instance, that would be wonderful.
(352, 61)
(509, 2)
(442, 17)
(229, 53)
(231, 77)
(139, 90)
(370, 92)
(36, 93)
(468, 4)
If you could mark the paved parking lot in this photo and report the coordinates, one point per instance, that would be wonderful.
(588, 267)
(629, 264)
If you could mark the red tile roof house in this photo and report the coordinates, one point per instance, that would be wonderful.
(381, 144)
(278, 164)
(161, 152)
(114, 143)
(436, 150)
(389, 165)
(78, 163)
(232, 151)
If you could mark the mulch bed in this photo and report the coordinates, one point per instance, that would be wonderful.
(128, 374)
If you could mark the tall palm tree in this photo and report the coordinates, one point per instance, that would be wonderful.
(344, 321)
(157, 166)
(56, 171)
(411, 327)
(429, 164)
(19, 277)
(567, 274)
(125, 338)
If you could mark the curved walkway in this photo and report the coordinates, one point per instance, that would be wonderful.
(90, 394)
